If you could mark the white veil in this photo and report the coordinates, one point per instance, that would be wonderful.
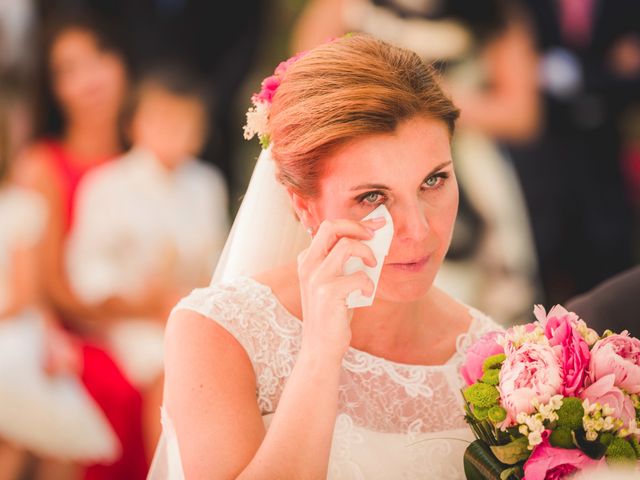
(265, 234)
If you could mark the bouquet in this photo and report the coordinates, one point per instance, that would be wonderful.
(551, 398)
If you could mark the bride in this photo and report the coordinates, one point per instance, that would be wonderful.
(268, 373)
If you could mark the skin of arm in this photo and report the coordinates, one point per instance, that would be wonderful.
(210, 394)
(23, 281)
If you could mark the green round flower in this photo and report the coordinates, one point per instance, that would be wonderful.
(497, 414)
(482, 395)
(606, 438)
(636, 445)
(480, 413)
(494, 361)
(561, 437)
(620, 451)
(570, 413)
(491, 376)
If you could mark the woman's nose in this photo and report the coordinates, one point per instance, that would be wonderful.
(410, 222)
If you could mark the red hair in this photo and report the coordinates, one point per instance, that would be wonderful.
(353, 86)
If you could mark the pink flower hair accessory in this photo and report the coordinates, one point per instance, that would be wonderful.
(258, 114)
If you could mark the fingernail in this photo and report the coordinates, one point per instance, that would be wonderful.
(378, 219)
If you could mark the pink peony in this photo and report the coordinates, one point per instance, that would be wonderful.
(604, 392)
(482, 349)
(573, 351)
(551, 463)
(531, 371)
(619, 355)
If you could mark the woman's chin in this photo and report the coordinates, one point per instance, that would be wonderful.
(403, 287)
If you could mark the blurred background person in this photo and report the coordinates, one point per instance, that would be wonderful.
(83, 79)
(45, 412)
(485, 53)
(219, 42)
(17, 24)
(571, 173)
(149, 227)
(612, 304)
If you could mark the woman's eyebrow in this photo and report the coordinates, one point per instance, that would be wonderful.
(380, 186)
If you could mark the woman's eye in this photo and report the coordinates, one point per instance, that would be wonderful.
(371, 198)
(435, 181)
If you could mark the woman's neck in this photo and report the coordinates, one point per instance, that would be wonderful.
(422, 332)
(91, 140)
(387, 328)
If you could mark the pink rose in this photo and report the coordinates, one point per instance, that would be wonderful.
(531, 371)
(573, 351)
(284, 66)
(618, 355)
(482, 349)
(269, 87)
(270, 84)
(604, 392)
(551, 463)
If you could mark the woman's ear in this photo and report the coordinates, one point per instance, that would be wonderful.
(303, 208)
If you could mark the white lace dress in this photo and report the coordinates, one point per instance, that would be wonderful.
(394, 421)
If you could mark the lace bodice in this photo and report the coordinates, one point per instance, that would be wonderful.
(384, 406)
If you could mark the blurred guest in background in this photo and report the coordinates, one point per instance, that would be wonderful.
(149, 227)
(44, 410)
(571, 173)
(613, 304)
(218, 41)
(17, 23)
(84, 80)
(485, 52)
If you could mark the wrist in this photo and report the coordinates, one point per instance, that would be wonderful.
(320, 358)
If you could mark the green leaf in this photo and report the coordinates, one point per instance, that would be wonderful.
(480, 464)
(515, 472)
(593, 449)
(513, 452)
(265, 140)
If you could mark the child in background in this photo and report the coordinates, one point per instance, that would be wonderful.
(44, 409)
(149, 226)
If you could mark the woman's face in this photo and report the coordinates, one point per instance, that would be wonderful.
(409, 171)
(88, 82)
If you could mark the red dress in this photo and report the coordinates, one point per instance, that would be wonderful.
(118, 399)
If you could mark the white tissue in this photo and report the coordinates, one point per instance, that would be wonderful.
(379, 244)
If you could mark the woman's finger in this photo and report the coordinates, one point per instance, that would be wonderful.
(345, 248)
(331, 231)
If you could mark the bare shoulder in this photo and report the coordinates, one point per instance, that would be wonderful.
(284, 283)
(210, 395)
(197, 340)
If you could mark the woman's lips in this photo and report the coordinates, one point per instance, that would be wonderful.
(412, 266)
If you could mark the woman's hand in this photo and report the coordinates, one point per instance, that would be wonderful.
(324, 287)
